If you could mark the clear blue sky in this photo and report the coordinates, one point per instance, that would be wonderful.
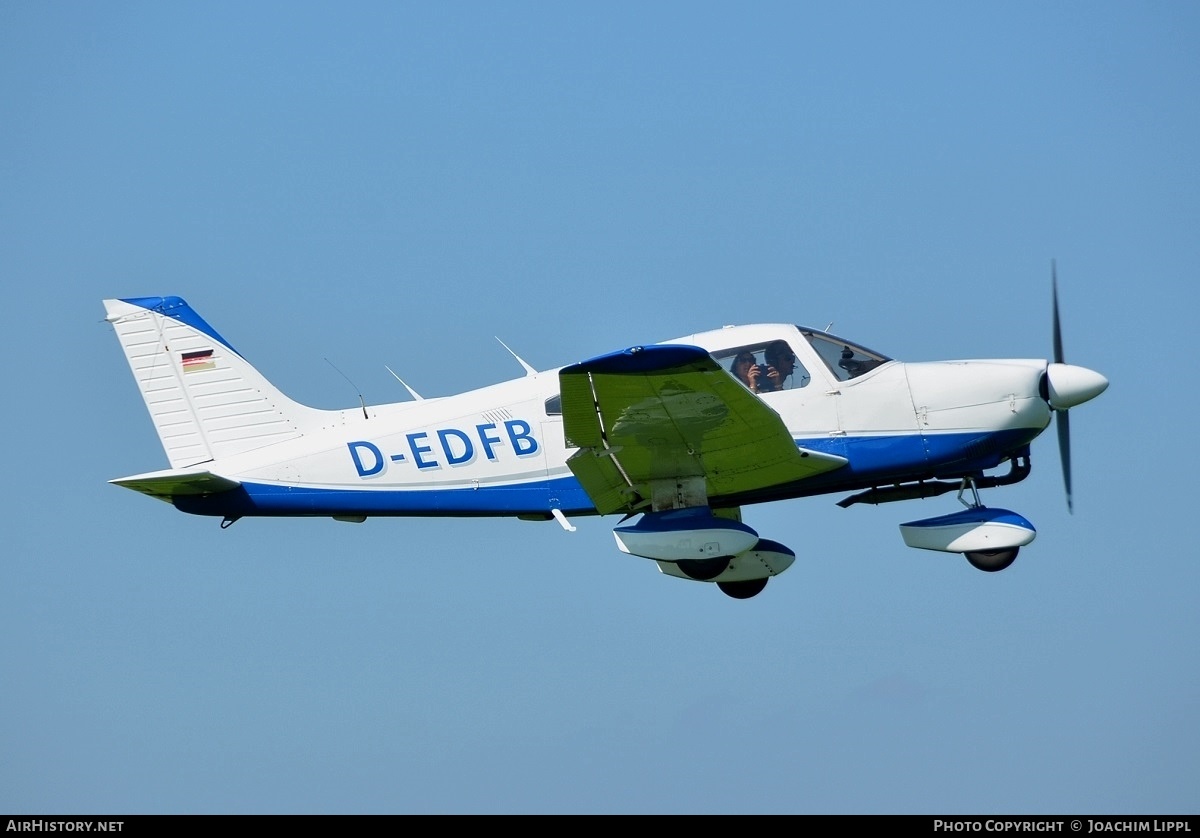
(399, 184)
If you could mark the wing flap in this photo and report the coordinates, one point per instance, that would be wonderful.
(660, 412)
(603, 480)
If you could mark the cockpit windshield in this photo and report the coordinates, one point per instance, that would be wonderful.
(845, 360)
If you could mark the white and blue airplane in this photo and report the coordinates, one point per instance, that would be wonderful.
(679, 435)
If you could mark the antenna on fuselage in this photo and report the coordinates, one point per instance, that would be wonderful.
(830, 326)
(352, 384)
(528, 369)
(410, 390)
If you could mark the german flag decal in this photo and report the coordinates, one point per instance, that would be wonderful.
(196, 361)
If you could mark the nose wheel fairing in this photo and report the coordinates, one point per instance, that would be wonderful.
(973, 530)
(989, 538)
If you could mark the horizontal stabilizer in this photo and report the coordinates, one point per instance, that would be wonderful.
(166, 485)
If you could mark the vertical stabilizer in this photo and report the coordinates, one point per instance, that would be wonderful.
(206, 401)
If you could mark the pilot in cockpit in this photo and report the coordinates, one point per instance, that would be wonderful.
(781, 361)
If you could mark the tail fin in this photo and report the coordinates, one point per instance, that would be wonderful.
(205, 399)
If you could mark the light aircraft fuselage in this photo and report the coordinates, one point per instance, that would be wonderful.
(677, 432)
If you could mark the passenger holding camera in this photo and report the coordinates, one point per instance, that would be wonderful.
(768, 377)
(746, 370)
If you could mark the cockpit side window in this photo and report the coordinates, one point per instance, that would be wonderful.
(765, 367)
(844, 359)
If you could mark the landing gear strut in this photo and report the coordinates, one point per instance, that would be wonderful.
(989, 561)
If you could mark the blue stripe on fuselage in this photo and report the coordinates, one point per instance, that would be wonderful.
(886, 457)
(252, 499)
(871, 461)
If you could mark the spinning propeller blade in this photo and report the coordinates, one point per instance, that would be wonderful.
(1058, 352)
(1062, 422)
(1067, 385)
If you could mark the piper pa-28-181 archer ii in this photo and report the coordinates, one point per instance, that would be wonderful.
(680, 435)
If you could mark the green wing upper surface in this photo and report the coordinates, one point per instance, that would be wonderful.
(670, 411)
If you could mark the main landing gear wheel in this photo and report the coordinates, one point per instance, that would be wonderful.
(703, 570)
(991, 561)
(743, 590)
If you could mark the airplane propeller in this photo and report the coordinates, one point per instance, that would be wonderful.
(1066, 386)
